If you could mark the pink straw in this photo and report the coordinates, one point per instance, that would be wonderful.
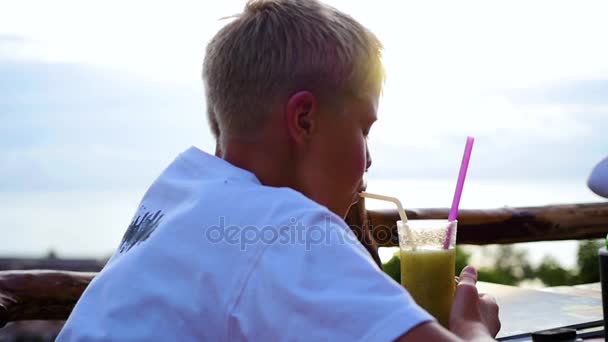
(461, 176)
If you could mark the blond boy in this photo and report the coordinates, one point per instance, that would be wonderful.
(250, 244)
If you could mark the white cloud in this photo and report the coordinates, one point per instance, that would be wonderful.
(466, 42)
(429, 121)
(161, 39)
(511, 43)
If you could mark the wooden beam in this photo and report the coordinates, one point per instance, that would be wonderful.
(40, 295)
(505, 225)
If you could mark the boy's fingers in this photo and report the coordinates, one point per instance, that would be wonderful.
(468, 276)
(488, 298)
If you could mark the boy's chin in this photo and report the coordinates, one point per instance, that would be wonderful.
(349, 204)
(356, 198)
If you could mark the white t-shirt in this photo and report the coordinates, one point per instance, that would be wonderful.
(214, 255)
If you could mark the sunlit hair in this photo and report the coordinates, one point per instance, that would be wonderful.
(278, 47)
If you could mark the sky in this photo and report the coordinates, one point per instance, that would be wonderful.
(96, 98)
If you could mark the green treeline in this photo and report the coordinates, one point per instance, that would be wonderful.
(510, 266)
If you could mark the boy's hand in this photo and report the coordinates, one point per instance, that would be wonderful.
(472, 311)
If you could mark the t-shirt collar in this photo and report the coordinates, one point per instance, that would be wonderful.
(212, 166)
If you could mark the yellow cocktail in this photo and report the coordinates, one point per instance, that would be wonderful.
(427, 269)
(428, 275)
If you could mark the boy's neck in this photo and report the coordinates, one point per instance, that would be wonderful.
(268, 160)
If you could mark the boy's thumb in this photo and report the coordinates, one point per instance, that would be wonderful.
(468, 276)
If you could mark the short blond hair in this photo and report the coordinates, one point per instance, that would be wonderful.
(278, 47)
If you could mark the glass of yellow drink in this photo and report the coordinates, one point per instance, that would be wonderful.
(427, 267)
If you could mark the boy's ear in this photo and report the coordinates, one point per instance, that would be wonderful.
(302, 111)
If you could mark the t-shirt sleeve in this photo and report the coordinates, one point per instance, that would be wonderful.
(317, 282)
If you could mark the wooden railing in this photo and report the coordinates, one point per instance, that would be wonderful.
(27, 295)
(378, 228)
(40, 294)
(505, 225)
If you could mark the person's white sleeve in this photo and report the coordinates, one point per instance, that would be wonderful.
(598, 180)
(324, 286)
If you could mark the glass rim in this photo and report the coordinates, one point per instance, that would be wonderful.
(427, 222)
